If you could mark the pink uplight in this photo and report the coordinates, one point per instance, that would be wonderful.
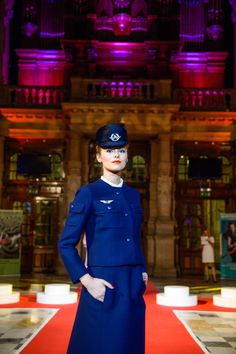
(122, 23)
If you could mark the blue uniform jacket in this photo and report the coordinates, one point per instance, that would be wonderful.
(111, 218)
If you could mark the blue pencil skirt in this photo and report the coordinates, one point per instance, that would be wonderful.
(117, 325)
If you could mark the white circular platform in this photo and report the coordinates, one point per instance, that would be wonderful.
(55, 289)
(228, 292)
(176, 296)
(57, 294)
(7, 296)
(176, 290)
(226, 299)
(5, 289)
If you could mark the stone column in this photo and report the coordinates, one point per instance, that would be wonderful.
(73, 170)
(84, 160)
(164, 233)
(151, 227)
(74, 163)
(6, 39)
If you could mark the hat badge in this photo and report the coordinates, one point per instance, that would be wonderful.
(115, 137)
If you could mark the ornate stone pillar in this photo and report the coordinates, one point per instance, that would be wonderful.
(73, 166)
(151, 227)
(164, 232)
(8, 14)
(73, 170)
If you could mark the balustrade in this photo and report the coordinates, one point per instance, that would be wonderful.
(37, 96)
(115, 89)
(203, 99)
(97, 89)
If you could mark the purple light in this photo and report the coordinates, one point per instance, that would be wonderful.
(122, 21)
(119, 44)
(215, 32)
(29, 29)
(121, 53)
(192, 37)
(193, 2)
(122, 3)
(51, 35)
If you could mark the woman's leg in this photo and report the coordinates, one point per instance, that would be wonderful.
(206, 271)
(213, 268)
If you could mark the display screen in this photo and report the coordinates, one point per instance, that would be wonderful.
(33, 165)
(204, 168)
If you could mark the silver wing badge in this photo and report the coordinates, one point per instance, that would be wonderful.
(106, 201)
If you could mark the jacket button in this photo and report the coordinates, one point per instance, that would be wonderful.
(128, 239)
(109, 208)
(117, 193)
(126, 214)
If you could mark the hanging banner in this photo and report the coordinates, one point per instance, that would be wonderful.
(228, 245)
(10, 233)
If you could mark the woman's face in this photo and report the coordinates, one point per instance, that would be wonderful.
(232, 227)
(113, 159)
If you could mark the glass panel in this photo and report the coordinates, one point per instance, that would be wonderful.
(227, 172)
(56, 167)
(12, 167)
(26, 234)
(191, 233)
(183, 168)
(183, 163)
(96, 171)
(192, 227)
(138, 166)
(136, 170)
(45, 222)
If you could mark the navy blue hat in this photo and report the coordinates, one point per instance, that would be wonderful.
(111, 135)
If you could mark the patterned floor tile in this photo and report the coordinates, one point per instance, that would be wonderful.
(19, 326)
(215, 332)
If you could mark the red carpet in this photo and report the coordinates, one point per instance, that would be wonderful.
(165, 334)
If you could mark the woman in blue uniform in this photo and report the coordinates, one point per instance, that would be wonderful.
(111, 312)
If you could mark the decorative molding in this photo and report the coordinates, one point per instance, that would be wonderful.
(25, 117)
(212, 118)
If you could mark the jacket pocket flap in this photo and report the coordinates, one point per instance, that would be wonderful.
(76, 207)
(101, 208)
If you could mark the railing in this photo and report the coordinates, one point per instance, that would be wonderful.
(121, 89)
(159, 91)
(204, 99)
(34, 96)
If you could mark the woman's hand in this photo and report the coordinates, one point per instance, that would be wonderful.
(145, 277)
(95, 286)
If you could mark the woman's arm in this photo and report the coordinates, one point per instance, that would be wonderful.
(211, 240)
(95, 286)
(74, 226)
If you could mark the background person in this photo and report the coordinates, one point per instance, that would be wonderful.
(208, 254)
(111, 312)
(230, 237)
